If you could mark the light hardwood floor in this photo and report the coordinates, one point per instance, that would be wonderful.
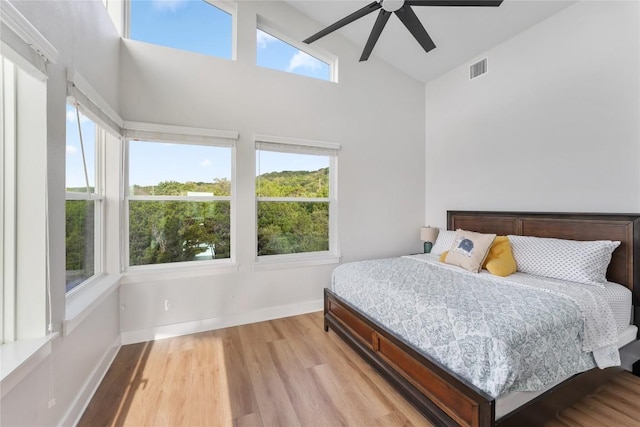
(285, 372)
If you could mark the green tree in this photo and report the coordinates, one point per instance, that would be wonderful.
(175, 231)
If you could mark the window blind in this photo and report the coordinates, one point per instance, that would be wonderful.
(23, 44)
(180, 134)
(297, 146)
(92, 104)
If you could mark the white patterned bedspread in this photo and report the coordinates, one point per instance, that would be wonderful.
(519, 333)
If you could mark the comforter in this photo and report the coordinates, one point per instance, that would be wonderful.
(520, 333)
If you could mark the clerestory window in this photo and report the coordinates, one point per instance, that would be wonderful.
(276, 51)
(201, 26)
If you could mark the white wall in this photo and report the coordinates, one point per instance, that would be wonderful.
(553, 126)
(86, 40)
(375, 112)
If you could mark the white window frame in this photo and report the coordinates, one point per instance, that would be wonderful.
(25, 286)
(107, 121)
(97, 196)
(25, 280)
(227, 6)
(320, 54)
(302, 146)
(83, 299)
(154, 132)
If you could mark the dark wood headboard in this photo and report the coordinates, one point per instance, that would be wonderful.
(625, 262)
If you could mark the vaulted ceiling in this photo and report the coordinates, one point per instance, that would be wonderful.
(460, 33)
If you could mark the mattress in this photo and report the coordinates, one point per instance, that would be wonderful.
(450, 315)
(619, 299)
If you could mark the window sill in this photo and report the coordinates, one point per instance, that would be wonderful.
(276, 262)
(83, 302)
(19, 358)
(168, 272)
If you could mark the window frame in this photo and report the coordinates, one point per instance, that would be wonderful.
(268, 27)
(224, 5)
(97, 196)
(161, 133)
(25, 286)
(300, 146)
(8, 195)
(25, 283)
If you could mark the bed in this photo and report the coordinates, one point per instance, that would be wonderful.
(447, 398)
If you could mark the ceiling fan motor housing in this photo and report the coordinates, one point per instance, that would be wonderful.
(391, 5)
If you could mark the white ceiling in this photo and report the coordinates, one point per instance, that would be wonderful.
(460, 33)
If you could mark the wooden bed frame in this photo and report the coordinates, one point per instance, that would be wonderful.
(441, 395)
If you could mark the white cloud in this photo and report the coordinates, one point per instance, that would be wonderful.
(264, 39)
(71, 117)
(303, 60)
(206, 163)
(168, 5)
(71, 149)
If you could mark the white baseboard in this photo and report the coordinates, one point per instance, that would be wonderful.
(185, 328)
(77, 408)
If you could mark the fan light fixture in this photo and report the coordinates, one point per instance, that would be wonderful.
(392, 5)
(403, 10)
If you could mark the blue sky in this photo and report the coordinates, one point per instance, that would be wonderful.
(74, 168)
(197, 26)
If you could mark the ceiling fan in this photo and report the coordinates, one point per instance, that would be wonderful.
(403, 10)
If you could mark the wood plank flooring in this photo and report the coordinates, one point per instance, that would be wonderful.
(285, 372)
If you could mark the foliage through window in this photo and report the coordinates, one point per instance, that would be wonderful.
(179, 202)
(192, 25)
(294, 200)
(272, 52)
(84, 198)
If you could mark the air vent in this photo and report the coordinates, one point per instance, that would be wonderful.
(478, 69)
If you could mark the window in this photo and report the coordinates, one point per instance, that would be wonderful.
(196, 26)
(273, 52)
(295, 196)
(23, 248)
(93, 147)
(84, 199)
(179, 200)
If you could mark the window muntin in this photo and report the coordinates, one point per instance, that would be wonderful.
(191, 25)
(273, 52)
(294, 199)
(84, 200)
(178, 203)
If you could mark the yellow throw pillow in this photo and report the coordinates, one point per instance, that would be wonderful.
(500, 260)
(469, 249)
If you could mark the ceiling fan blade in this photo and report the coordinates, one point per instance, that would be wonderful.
(344, 21)
(381, 21)
(472, 3)
(413, 24)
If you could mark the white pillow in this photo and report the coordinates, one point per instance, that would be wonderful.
(443, 241)
(571, 260)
